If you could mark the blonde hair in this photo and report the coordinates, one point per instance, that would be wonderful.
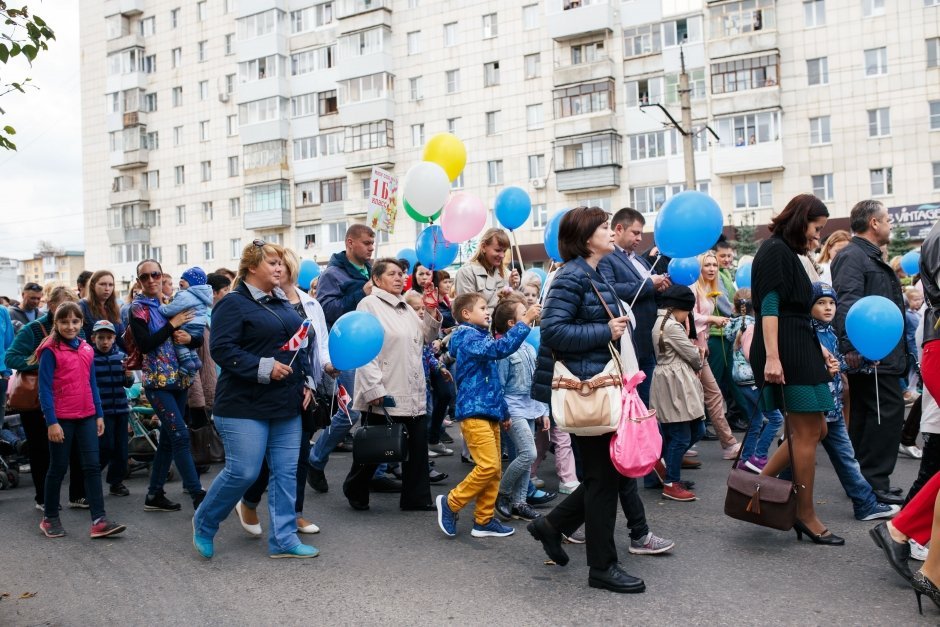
(836, 237)
(253, 255)
(58, 294)
(700, 284)
(51, 286)
(291, 264)
(490, 236)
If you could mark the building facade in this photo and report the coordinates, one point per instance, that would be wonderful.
(210, 123)
(50, 266)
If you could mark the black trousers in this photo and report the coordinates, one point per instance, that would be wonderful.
(876, 445)
(912, 423)
(633, 508)
(929, 464)
(37, 439)
(594, 503)
(415, 482)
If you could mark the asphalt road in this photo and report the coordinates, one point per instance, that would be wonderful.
(392, 568)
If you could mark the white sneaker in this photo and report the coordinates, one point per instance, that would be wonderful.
(910, 451)
(731, 452)
(432, 454)
(918, 551)
(568, 488)
(439, 449)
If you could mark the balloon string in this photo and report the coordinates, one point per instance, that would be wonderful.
(512, 233)
(877, 396)
(647, 278)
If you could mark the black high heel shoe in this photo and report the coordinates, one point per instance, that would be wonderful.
(826, 537)
(922, 585)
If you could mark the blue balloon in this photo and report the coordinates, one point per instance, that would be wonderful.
(910, 262)
(540, 273)
(687, 225)
(433, 250)
(684, 270)
(309, 270)
(534, 338)
(355, 340)
(551, 236)
(513, 207)
(743, 276)
(874, 325)
(409, 255)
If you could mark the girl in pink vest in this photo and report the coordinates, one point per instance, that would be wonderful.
(69, 398)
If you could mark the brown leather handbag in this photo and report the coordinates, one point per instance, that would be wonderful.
(761, 499)
(23, 393)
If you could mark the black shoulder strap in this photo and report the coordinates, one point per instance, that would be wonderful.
(290, 333)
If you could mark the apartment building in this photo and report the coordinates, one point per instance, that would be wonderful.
(210, 123)
(62, 266)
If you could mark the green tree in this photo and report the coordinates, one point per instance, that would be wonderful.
(22, 37)
(745, 241)
(900, 242)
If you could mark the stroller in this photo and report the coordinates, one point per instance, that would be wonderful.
(11, 455)
(143, 432)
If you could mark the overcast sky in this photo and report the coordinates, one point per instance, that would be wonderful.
(41, 182)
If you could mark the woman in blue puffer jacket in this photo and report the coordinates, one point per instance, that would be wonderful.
(576, 329)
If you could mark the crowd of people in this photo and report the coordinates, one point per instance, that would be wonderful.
(247, 352)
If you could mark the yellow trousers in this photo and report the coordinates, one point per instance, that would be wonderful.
(482, 484)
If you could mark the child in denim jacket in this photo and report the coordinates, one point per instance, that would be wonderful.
(194, 294)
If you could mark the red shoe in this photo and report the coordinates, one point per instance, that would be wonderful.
(675, 492)
(660, 471)
(104, 528)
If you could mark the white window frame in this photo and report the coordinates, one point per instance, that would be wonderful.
(757, 195)
(494, 172)
(490, 26)
(814, 13)
(535, 116)
(875, 61)
(822, 186)
(882, 181)
(451, 35)
(822, 134)
(821, 71)
(879, 122)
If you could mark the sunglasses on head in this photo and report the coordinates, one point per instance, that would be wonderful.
(156, 274)
(258, 242)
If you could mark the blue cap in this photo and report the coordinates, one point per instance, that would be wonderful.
(194, 276)
(823, 290)
(103, 325)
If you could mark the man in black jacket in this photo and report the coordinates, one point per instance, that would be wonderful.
(859, 270)
(28, 309)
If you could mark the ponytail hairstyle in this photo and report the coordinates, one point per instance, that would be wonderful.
(504, 312)
(65, 310)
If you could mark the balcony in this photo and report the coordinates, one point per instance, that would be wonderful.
(583, 72)
(746, 100)
(379, 15)
(363, 160)
(129, 159)
(124, 7)
(585, 124)
(750, 43)
(594, 16)
(129, 235)
(735, 160)
(349, 8)
(134, 118)
(264, 131)
(268, 219)
(588, 179)
(353, 113)
(126, 196)
(262, 88)
(131, 40)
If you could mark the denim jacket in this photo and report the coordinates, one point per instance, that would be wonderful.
(828, 338)
(479, 393)
(515, 376)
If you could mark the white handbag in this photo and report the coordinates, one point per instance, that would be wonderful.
(591, 407)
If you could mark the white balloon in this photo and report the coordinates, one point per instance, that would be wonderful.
(426, 188)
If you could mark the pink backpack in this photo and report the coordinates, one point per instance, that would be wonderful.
(637, 444)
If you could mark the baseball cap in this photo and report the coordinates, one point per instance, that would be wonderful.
(103, 325)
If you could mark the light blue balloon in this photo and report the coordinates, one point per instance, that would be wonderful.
(874, 325)
(534, 338)
(910, 262)
(433, 250)
(743, 276)
(687, 225)
(513, 207)
(684, 270)
(355, 340)
(409, 255)
(551, 236)
(540, 274)
(309, 270)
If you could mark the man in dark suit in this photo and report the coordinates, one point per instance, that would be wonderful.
(627, 272)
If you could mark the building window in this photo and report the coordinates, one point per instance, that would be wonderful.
(262, 68)
(587, 152)
(305, 104)
(457, 183)
(931, 3)
(229, 84)
(539, 216)
(201, 51)
(231, 125)
(312, 60)
(814, 13)
(177, 96)
(822, 186)
(534, 117)
(150, 64)
(492, 122)
(202, 10)
(333, 190)
(936, 176)
(177, 135)
(685, 30)
(490, 26)
(450, 34)
(267, 197)
(872, 8)
(366, 182)
(744, 74)
(819, 132)
(370, 135)
(817, 71)
(646, 91)
(205, 169)
(234, 207)
(265, 154)
(879, 122)
(876, 61)
(415, 92)
(933, 52)
(260, 24)
(536, 166)
(696, 84)
(336, 232)
(179, 174)
(453, 81)
(148, 26)
(882, 183)
(934, 119)
(491, 74)
(307, 193)
(203, 90)
(235, 248)
(587, 53)
(648, 199)
(533, 65)
(229, 43)
(494, 172)
(365, 42)
(747, 130)
(417, 135)
(641, 40)
(323, 145)
(176, 56)
(174, 18)
(208, 251)
(585, 98)
(530, 17)
(150, 179)
(233, 166)
(264, 110)
(180, 215)
(414, 42)
(648, 146)
(753, 195)
(182, 255)
(742, 17)
(204, 131)
(150, 103)
(207, 212)
(327, 102)
(452, 125)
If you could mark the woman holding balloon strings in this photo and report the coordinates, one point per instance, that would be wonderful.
(393, 382)
(486, 274)
(707, 319)
(787, 359)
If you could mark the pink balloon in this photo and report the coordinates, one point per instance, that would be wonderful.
(464, 217)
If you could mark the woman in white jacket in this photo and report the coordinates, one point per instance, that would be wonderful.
(316, 351)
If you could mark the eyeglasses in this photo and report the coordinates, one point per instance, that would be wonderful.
(259, 243)
(153, 276)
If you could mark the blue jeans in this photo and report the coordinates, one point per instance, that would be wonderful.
(84, 433)
(339, 426)
(515, 481)
(113, 448)
(169, 406)
(842, 455)
(248, 442)
(757, 442)
(679, 436)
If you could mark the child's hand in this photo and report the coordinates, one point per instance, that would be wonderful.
(544, 423)
(447, 375)
(100, 426)
(56, 434)
(532, 313)
(505, 424)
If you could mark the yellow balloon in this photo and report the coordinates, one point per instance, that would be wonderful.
(447, 151)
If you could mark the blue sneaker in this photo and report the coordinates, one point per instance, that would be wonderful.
(446, 518)
(881, 510)
(494, 528)
(300, 551)
(202, 543)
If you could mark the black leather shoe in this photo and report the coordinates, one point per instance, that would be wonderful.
(897, 552)
(316, 479)
(542, 530)
(384, 484)
(896, 491)
(709, 435)
(436, 477)
(888, 498)
(503, 507)
(356, 504)
(615, 580)
(545, 497)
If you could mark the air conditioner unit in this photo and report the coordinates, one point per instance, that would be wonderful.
(537, 183)
(223, 97)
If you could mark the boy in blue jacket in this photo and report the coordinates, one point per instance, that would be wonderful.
(480, 409)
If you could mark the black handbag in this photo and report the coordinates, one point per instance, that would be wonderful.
(381, 443)
(206, 445)
(762, 499)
